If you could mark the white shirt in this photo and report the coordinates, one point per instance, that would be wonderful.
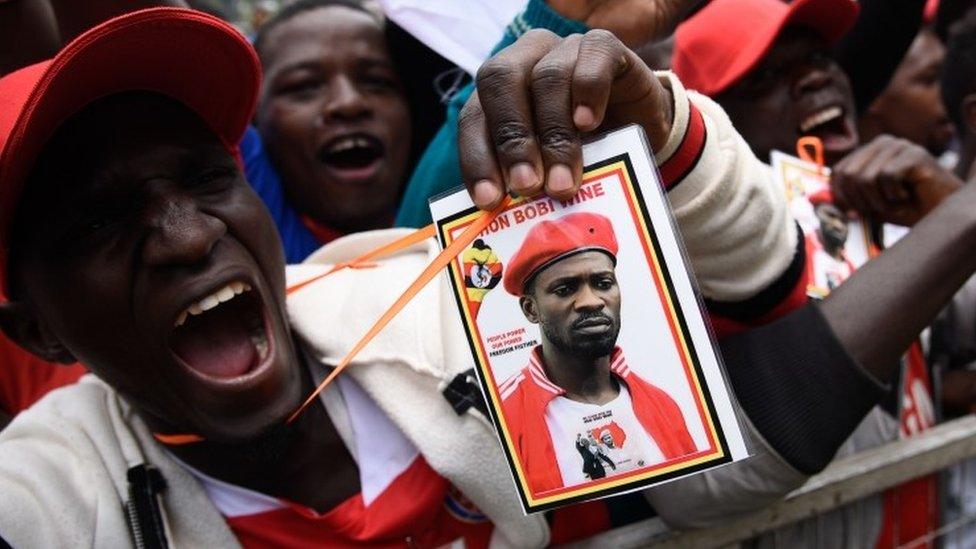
(608, 433)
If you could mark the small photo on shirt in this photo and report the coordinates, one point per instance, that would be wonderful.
(591, 348)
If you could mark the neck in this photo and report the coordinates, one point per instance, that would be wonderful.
(834, 252)
(312, 467)
(583, 379)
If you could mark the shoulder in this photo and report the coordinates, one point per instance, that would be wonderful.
(56, 460)
(646, 389)
(333, 311)
(508, 389)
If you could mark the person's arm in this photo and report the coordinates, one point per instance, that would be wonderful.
(439, 169)
(75, 17)
(804, 381)
(30, 33)
(637, 21)
(871, 52)
(34, 30)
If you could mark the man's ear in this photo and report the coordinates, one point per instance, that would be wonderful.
(529, 309)
(968, 109)
(22, 326)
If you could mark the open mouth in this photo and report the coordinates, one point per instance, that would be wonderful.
(832, 126)
(352, 152)
(224, 334)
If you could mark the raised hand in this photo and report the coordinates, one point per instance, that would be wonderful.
(520, 131)
(891, 180)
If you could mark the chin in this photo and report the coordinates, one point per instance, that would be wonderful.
(263, 408)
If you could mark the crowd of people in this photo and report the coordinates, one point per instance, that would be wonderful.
(166, 183)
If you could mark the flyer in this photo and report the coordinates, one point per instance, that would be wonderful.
(590, 342)
(837, 243)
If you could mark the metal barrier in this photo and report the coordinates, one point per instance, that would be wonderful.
(843, 482)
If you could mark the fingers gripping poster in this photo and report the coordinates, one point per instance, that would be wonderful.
(592, 350)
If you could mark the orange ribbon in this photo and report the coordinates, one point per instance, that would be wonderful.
(811, 149)
(435, 266)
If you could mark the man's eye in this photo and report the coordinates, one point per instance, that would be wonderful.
(93, 224)
(605, 283)
(301, 89)
(761, 80)
(215, 177)
(379, 82)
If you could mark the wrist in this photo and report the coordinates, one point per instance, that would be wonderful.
(570, 9)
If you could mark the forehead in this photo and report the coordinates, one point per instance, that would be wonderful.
(322, 33)
(576, 265)
(121, 139)
(926, 51)
(793, 45)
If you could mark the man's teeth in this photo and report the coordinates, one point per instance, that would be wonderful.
(821, 117)
(226, 293)
(349, 143)
(260, 342)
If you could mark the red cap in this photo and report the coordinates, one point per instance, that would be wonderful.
(550, 241)
(188, 55)
(727, 38)
(823, 196)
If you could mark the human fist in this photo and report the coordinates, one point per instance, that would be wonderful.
(635, 22)
(520, 131)
(891, 180)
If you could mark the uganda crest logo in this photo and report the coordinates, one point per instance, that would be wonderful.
(482, 272)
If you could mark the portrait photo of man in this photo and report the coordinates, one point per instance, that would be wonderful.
(829, 264)
(577, 412)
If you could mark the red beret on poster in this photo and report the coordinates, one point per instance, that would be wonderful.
(550, 241)
(823, 196)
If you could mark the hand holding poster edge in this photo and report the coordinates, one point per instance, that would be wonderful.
(620, 157)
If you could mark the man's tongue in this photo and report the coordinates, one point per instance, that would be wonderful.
(837, 136)
(216, 343)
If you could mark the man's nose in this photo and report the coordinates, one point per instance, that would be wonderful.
(588, 299)
(810, 80)
(345, 102)
(180, 234)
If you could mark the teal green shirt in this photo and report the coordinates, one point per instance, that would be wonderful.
(439, 169)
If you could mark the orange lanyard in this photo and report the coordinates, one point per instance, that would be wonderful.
(811, 149)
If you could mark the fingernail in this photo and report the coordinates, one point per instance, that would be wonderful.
(521, 176)
(584, 117)
(560, 179)
(485, 193)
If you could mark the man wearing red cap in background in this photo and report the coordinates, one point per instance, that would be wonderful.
(563, 275)
(767, 63)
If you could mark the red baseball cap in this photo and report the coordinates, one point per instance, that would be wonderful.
(187, 55)
(550, 241)
(721, 43)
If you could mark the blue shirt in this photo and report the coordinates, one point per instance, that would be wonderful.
(297, 240)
